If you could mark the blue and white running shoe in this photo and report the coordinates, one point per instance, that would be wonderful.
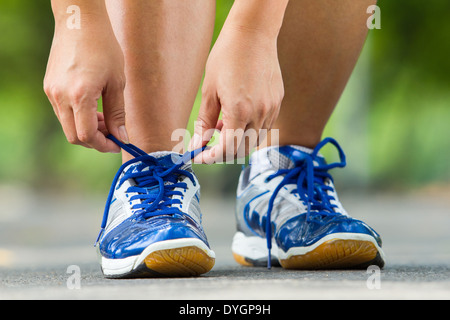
(288, 213)
(152, 221)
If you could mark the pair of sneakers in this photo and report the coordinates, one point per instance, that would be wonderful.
(287, 212)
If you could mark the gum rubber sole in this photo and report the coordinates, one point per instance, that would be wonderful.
(179, 262)
(336, 254)
(332, 254)
(243, 261)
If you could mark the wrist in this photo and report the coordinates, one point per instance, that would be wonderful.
(90, 13)
(262, 17)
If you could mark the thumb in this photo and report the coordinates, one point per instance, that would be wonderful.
(114, 111)
(206, 123)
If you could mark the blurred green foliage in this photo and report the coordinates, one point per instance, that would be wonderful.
(409, 125)
(393, 118)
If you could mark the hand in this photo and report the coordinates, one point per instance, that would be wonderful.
(85, 65)
(243, 80)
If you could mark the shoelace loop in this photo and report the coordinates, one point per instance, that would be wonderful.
(309, 176)
(152, 189)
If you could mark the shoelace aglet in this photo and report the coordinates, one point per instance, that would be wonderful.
(269, 237)
(99, 236)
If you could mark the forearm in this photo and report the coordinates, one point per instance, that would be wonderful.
(261, 16)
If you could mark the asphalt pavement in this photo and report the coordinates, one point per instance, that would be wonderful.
(46, 252)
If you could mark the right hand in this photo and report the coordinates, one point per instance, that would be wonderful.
(85, 65)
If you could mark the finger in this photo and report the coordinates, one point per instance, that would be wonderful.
(249, 141)
(219, 125)
(101, 124)
(199, 158)
(266, 128)
(114, 110)
(263, 134)
(87, 128)
(230, 140)
(67, 121)
(64, 113)
(206, 122)
(226, 150)
(273, 117)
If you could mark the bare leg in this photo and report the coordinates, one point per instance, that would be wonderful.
(319, 45)
(166, 44)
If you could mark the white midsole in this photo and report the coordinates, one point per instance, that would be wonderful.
(112, 267)
(255, 248)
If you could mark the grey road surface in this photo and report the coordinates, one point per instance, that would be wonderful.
(42, 238)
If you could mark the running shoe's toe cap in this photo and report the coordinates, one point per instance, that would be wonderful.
(133, 236)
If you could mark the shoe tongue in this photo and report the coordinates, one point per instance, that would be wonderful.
(287, 157)
(168, 159)
(165, 159)
(277, 158)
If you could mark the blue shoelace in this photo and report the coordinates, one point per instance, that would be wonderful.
(152, 191)
(310, 177)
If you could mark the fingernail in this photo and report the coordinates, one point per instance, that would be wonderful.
(210, 156)
(124, 135)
